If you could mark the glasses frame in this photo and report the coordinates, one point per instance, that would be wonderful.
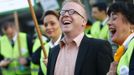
(71, 12)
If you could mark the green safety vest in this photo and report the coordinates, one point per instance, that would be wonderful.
(13, 53)
(97, 33)
(34, 67)
(125, 59)
(43, 66)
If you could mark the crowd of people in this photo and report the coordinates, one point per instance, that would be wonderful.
(73, 46)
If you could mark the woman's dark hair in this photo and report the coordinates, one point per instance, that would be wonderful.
(126, 9)
(51, 12)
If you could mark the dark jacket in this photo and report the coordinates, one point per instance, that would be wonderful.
(94, 57)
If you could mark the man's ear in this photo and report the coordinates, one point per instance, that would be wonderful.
(84, 22)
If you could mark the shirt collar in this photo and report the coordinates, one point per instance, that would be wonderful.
(15, 37)
(55, 43)
(129, 38)
(104, 22)
(77, 40)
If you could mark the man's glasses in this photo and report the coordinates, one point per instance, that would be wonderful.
(70, 12)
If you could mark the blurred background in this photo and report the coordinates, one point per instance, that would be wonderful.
(8, 7)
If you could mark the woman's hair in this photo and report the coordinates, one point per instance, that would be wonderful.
(51, 12)
(126, 9)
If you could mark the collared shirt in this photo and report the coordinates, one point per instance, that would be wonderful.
(104, 22)
(12, 41)
(51, 44)
(65, 64)
(15, 37)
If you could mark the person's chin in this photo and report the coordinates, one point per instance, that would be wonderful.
(113, 38)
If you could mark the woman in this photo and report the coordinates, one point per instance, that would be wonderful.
(53, 31)
(121, 26)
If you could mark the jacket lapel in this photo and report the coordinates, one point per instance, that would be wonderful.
(81, 55)
(54, 58)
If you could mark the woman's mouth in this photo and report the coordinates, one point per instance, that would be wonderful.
(113, 31)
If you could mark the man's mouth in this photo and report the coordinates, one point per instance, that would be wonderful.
(66, 22)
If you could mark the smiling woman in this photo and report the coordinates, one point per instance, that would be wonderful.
(121, 25)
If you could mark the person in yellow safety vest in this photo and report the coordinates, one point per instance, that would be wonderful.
(53, 31)
(99, 28)
(121, 26)
(36, 45)
(16, 52)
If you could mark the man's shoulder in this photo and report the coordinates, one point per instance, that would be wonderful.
(55, 49)
(93, 40)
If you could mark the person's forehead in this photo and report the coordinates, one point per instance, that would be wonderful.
(95, 9)
(72, 5)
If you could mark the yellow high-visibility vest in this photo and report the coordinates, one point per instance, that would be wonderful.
(96, 32)
(125, 59)
(13, 53)
(34, 67)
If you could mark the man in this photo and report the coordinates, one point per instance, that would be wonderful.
(77, 54)
(15, 54)
(99, 28)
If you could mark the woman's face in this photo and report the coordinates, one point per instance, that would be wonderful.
(52, 27)
(119, 28)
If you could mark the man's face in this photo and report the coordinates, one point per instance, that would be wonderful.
(96, 14)
(10, 31)
(72, 18)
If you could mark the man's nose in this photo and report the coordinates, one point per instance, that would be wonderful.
(66, 14)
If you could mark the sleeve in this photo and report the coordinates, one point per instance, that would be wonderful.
(36, 56)
(30, 44)
(104, 58)
(49, 61)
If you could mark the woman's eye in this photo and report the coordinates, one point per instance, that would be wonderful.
(46, 24)
(52, 23)
(114, 18)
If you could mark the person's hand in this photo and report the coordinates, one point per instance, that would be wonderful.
(45, 61)
(22, 61)
(113, 68)
(4, 63)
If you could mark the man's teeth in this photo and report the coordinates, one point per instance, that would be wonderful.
(66, 22)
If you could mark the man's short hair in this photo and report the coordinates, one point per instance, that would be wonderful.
(102, 6)
(78, 2)
(7, 24)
